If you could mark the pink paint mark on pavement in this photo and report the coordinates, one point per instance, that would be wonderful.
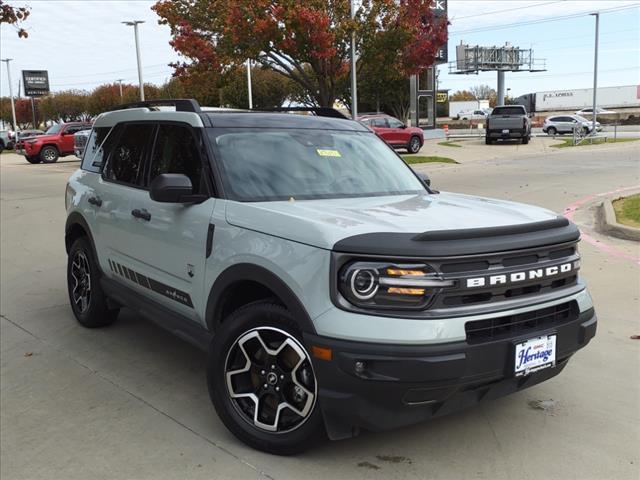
(570, 211)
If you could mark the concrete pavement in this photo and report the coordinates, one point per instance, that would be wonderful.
(130, 401)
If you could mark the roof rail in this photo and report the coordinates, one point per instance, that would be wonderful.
(181, 104)
(319, 111)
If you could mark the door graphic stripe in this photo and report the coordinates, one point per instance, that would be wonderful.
(151, 284)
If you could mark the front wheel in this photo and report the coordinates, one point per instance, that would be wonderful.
(88, 302)
(487, 140)
(261, 380)
(414, 145)
(525, 140)
(49, 154)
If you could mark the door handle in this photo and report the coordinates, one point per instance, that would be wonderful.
(95, 201)
(142, 214)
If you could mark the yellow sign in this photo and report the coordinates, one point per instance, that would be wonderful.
(328, 153)
(441, 97)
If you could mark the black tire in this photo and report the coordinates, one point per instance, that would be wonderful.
(33, 160)
(92, 312)
(586, 130)
(414, 145)
(552, 131)
(487, 140)
(525, 140)
(49, 154)
(1, 147)
(270, 322)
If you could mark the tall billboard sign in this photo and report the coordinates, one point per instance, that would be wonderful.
(439, 8)
(36, 83)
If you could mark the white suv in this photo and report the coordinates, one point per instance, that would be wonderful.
(332, 287)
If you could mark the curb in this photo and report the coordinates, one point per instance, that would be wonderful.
(607, 223)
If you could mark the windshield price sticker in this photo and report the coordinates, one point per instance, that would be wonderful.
(328, 153)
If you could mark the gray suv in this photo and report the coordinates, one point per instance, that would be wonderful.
(332, 287)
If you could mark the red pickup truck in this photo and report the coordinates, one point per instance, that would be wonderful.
(55, 143)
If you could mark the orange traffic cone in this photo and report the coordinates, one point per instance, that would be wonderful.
(446, 131)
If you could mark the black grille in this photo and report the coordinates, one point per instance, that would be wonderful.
(512, 325)
(495, 264)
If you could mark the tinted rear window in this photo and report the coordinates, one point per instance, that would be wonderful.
(509, 111)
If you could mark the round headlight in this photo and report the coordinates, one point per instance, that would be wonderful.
(364, 283)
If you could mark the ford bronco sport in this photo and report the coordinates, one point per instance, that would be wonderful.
(332, 287)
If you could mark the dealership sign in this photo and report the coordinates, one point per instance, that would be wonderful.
(439, 8)
(36, 82)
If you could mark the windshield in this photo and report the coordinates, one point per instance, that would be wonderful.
(281, 164)
(55, 128)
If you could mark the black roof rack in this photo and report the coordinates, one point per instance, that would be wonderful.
(319, 111)
(181, 104)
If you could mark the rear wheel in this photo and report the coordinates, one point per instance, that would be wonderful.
(34, 160)
(87, 299)
(552, 131)
(261, 380)
(414, 145)
(49, 154)
(487, 140)
(525, 140)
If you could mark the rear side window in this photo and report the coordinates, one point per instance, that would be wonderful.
(176, 151)
(97, 149)
(379, 122)
(394, 123)
(126, 159)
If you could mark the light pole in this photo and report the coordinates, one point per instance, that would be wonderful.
(119, 80)
(13, 107)
(354, 86)
(595, 74)
(134, 24)
(249, 84)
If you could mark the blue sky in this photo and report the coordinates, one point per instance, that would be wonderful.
(83, 43)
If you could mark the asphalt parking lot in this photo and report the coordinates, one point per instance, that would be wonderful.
(130, 401)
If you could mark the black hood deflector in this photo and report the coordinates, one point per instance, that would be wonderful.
(446, 243)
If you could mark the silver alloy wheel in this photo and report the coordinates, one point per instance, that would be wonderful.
(49, 154)
(270, 380)
(81, 275)
(414, 145)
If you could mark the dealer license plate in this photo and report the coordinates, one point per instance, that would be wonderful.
(505, 131)
(535, 354)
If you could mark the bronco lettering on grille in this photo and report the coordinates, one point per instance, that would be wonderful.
(515, 277)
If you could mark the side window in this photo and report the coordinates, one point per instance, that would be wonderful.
(73, 129)
(379, 122)
(97, 149)
(176, 151)
(394, 123)
(126, 159)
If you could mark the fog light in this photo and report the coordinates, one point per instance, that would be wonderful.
(360, 366)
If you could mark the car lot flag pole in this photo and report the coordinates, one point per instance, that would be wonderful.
(354, 86)
(13, 106)
(595, 74)
(135, 24)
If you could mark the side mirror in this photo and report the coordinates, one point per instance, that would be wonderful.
(424, 178)
(173, 188)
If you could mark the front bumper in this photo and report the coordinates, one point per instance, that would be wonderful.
(405, 384)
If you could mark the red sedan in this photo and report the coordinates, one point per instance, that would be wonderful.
(394, 132)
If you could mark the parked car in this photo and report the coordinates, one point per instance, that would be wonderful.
(508, 122)
(6, 140)
(471, 115)
(80, 141)
(330, 284)
(599, 111)
(394, 132)
(561, 124)
(55, 143)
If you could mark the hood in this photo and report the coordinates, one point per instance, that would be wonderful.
(44, 138)
(322, 223)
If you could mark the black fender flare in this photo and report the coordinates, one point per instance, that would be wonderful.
(76, 218)
(254, 273)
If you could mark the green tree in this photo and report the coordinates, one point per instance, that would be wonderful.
(269, 89)
(462, 96)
